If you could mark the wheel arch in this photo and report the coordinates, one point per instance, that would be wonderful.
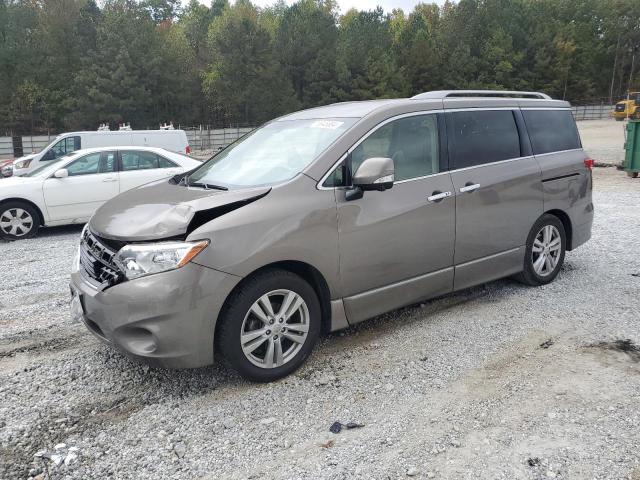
(28, 202)
(308, 273)
(566, 223)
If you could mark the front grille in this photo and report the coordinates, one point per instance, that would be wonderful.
(620, 107)
(96, 262)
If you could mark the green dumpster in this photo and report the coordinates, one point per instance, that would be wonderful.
(632, 149)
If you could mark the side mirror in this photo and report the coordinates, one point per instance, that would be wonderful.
(375, 173)
(62, 173)
(49, 155)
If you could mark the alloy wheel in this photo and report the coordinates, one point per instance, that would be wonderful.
(546, 250)
(16, 221)
(275, 328)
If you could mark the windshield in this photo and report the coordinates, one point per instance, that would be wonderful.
(271, 154)
(47, 168)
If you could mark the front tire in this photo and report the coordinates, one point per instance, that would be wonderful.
(545, 250)
(632, 174)
(269, 325)
(18, 220)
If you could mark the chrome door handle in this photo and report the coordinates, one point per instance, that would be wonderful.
(469, 188)
(110, 180)
(438, 196)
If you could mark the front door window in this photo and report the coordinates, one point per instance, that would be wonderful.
(412, 142)
(101, 162)
(62, 147)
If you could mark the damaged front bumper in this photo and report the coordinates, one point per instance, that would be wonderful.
(167, 319)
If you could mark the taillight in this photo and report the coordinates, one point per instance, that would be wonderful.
(589, 162)
(188, 149)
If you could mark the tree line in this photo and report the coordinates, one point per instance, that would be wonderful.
(71, 64)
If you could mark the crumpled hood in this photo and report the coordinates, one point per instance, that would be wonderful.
(162, 210)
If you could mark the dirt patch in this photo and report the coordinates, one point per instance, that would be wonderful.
(625, 346)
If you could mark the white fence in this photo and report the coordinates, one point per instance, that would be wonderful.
(591, 112)
(6, 148)
(205, 139)
(36, 143)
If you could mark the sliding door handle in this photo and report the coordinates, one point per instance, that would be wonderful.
(469, 187)
(438, 196)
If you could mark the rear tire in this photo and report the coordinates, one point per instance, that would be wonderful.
(269, 325)
(544, 253)
(18, 220)
(632, 174)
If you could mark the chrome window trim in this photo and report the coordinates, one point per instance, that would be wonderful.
(479, 109)
(396, 182)
(497, 162)
(420, 178)
(319, 185)
(546, 108)
(560, 151)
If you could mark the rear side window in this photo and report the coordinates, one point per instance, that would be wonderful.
(164, 163)
(551, 130)
(138, 160)
(479, 137)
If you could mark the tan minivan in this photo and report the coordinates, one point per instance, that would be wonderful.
(326, 217)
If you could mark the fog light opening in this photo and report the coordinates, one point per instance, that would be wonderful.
(138, 340)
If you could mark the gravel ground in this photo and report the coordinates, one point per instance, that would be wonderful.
(604, 140)
(500, 381)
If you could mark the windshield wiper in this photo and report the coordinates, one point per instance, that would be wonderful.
(207, 186)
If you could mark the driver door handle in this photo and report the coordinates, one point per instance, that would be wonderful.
(110, 179)
(470, 187)
(437, 196)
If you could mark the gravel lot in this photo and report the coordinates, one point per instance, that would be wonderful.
(603, 139)
(500, 381)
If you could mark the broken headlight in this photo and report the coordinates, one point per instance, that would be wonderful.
(138, 260)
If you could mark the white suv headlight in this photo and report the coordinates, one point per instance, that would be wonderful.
(22, 164)
(138, 260)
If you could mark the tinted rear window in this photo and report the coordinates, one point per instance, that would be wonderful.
(551, 130)
(486, 136)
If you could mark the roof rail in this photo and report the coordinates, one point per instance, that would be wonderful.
(479, 93)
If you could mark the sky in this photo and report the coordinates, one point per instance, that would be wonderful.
(387, 5)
